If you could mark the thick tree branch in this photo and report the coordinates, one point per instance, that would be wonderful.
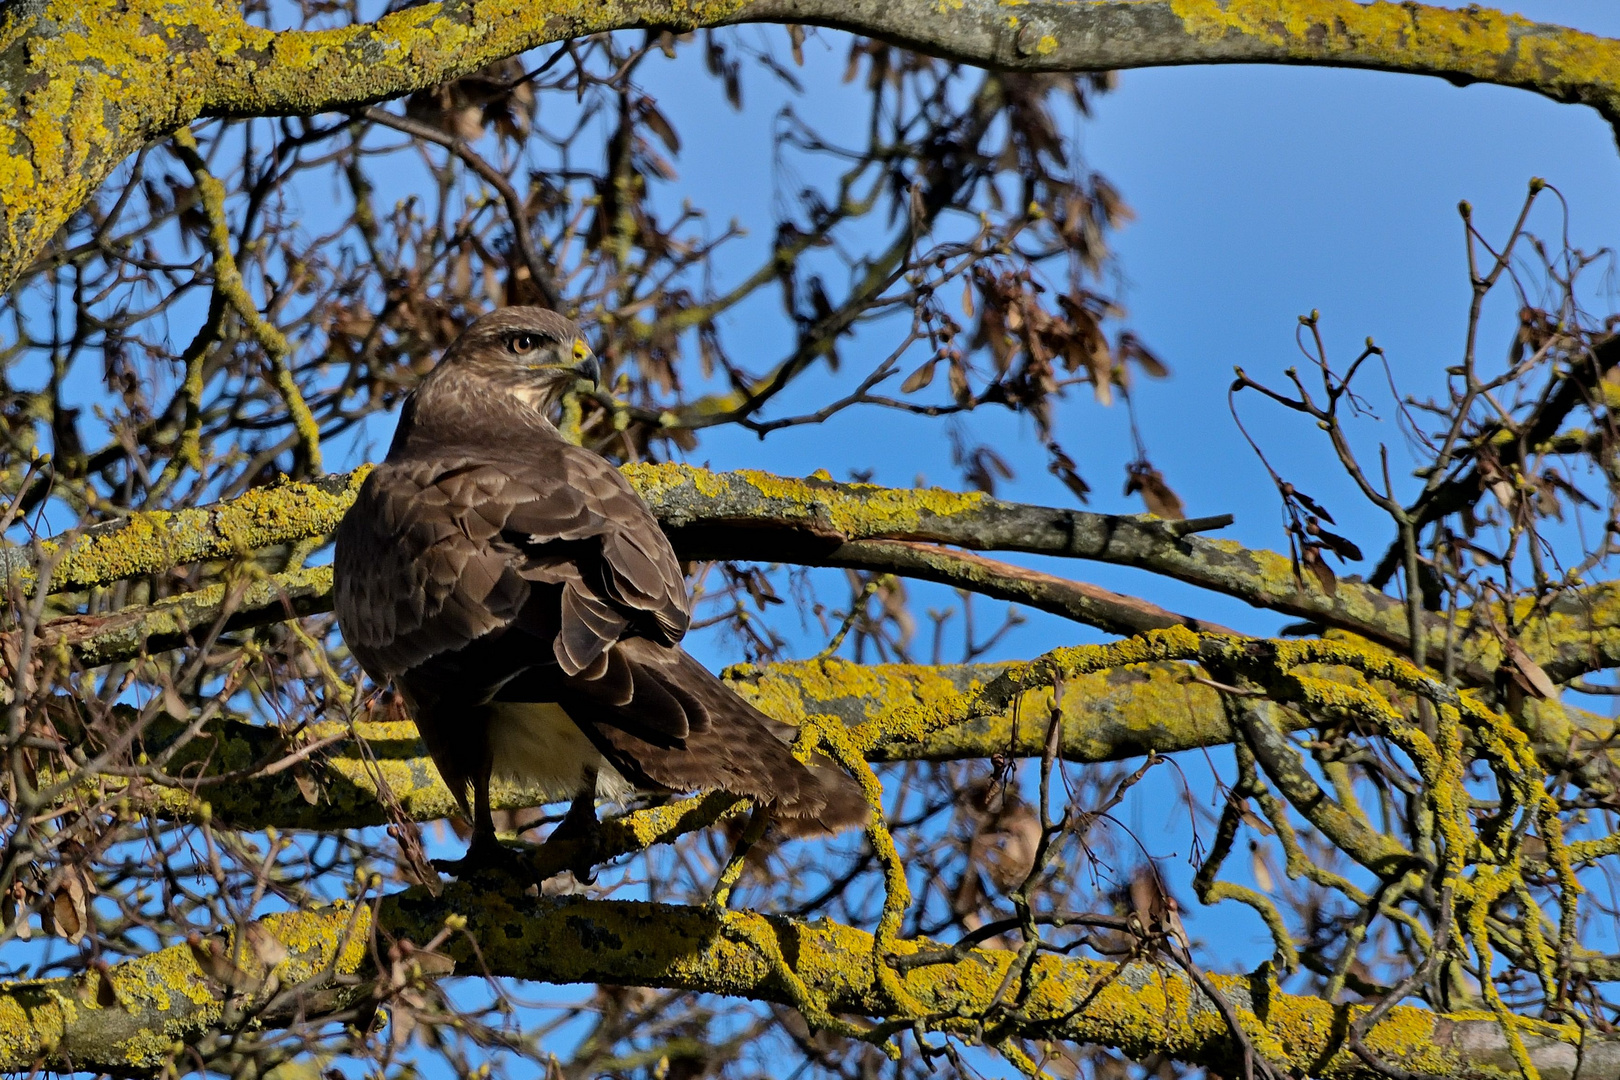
(1111, 715)
(1476, 44)
(754, 515)
(128, 1021)
(80, 1023)
(154, 541)
(178, 621)
(82, 86)
(1108, 716)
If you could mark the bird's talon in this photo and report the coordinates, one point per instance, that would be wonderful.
(580, 830)
(484, 857)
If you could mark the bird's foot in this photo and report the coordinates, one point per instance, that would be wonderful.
(579, 834)
(486, 856)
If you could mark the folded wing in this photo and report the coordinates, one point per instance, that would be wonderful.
(477, 577)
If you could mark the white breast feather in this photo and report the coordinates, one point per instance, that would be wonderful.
(538, 745)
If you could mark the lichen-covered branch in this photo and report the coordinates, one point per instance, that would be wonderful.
(170, 623)
(136, 1018)
(146, 1006)
(1476, 44)
(1140, 1009)
(755, 515)
(152, 541)
(1109, 715)
(803, 520)
(85, 85)
(178, 621)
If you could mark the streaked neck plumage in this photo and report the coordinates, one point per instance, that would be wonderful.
(456, 407)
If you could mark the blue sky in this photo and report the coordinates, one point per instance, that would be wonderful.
(1261, 193)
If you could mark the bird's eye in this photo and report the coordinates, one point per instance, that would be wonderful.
(519, 344)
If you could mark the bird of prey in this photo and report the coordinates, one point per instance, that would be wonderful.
(529, 609)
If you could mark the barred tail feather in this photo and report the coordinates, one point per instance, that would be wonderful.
(831, 803)
(732, 746)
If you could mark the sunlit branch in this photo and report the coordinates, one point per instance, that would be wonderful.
(313, 963)
(807, 520)
(203, 58)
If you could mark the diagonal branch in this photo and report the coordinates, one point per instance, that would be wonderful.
(1089, 604)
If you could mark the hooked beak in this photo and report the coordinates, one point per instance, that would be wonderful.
(586, 366)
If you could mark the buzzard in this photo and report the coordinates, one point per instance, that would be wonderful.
(529, 609)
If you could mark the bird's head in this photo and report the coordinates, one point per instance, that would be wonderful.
(532, 352)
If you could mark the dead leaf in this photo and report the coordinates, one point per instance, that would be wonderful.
(960, 391)
(1254, 820)
(1155, 910)
(659, 125)
(1534, 679)
(1129, 347)
(15, 900)
(307, 785)
(919, 378)
(431, 965)
(67, 915)
(212, 960)
(1062, 466)
(1259, 867)
(460, 271)
(106, 993)
(1339, 545)
(1140, 476)
(1310, 504)
(266, 946)
(1007, 852)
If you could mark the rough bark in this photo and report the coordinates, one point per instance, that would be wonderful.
(1107, 716)
(130, 1018)
(1111, 715)
(754, 515)
(82, 86)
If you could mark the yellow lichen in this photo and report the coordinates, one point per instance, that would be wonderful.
(1476, 41)
(169, 991)
(853, 510)
(823, 968)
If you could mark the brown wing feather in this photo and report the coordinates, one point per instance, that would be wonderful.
(740, 749)
(535, 573)
(546, 561)
(636, 569)
(408, 584)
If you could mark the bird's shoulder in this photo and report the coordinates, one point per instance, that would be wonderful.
(505, 471)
